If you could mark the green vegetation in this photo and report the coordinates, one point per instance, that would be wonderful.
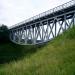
(57, 57)
(4, 33)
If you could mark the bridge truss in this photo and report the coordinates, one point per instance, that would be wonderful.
(45, 27)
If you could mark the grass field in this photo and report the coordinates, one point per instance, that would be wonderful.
(57, 57)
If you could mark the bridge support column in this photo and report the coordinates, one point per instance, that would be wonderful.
(55, 29)
(45, 31)
(42, 32)
(19, 39)
(26, 38)
(65, 21)
(14, 37)
(33, 33)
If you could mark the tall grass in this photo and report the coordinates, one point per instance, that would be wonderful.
(55, 58)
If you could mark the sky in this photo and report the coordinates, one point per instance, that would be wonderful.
(15, 11)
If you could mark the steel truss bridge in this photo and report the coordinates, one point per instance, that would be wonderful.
(45, 26)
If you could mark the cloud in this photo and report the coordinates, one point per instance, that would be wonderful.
(15, 11)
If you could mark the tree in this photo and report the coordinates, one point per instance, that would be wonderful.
(4, 33)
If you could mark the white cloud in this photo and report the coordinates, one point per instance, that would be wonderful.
(14, 11)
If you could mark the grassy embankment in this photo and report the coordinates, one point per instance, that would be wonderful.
(57, 57)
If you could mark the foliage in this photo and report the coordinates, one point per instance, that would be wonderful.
(4, 33)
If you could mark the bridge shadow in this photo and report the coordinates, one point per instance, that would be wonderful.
(11, 52)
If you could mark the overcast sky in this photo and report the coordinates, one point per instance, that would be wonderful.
(15, 11)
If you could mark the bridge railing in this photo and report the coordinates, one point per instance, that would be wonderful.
(68, 4)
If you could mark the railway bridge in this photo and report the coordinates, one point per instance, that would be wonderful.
(45, 26)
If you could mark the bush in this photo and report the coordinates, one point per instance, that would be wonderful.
(4, 33)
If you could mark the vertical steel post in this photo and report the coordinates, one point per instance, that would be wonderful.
(55, 29)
